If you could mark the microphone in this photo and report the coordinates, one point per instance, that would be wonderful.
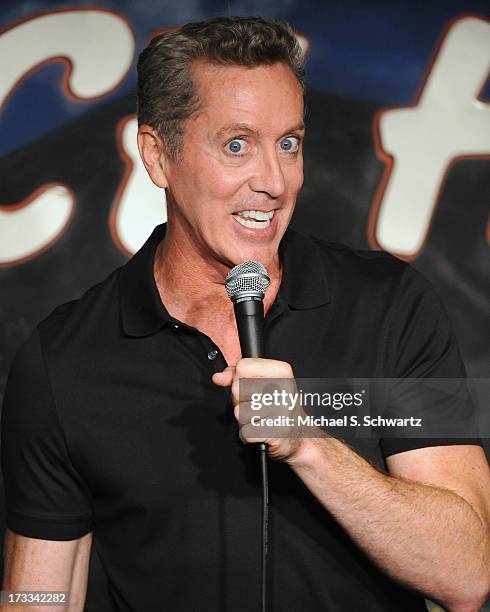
(246, 285)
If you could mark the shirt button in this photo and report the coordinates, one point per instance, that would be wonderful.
(212, 354)
(175, 327)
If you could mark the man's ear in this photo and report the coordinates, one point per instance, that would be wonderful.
(153, 154)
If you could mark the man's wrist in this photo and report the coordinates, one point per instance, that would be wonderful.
(309, 451)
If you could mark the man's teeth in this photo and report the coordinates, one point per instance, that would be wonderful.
(254, 218)
(259, 215)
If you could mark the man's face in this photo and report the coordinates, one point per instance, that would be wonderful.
(233, 190)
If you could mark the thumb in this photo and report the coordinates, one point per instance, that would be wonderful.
(224, 378)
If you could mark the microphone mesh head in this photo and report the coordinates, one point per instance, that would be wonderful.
(248, 279)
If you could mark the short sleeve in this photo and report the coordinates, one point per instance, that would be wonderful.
(46, 497)
(423, 345)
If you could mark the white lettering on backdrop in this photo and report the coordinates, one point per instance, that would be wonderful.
(91, 70)
(419, 143)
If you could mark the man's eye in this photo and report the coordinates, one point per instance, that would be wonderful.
(290, 144)
(236, 145)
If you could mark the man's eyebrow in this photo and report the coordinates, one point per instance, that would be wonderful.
(245, 128)
(236, 127)
(297, 128)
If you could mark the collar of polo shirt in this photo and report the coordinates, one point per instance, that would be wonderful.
(304, 283)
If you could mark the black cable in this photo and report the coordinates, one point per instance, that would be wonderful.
(265, 525)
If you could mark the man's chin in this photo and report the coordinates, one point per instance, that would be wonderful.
(262, 251)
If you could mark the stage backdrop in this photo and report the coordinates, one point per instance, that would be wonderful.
(396, 153)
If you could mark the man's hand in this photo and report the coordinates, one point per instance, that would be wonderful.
(427, 524)
(283, 437)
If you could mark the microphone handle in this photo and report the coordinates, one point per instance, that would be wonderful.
(249, 315)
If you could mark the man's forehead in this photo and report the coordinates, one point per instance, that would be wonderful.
(239, 95)
(212, 79)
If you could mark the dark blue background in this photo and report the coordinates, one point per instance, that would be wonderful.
(369, 50)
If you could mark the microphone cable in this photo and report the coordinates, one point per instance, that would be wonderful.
(265, 526)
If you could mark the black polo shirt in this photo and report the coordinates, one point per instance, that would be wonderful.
(111, 423)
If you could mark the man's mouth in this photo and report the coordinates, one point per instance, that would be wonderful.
(254, 219)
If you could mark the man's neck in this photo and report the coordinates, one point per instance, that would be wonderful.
(191, 285)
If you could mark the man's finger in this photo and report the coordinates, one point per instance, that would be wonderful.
(256, 367)
(247, 435)
(224, 378)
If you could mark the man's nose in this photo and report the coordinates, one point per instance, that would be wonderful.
(268, 177)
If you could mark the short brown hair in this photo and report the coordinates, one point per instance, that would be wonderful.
(166, 93)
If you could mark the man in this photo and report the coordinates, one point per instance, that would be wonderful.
(118, 426)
